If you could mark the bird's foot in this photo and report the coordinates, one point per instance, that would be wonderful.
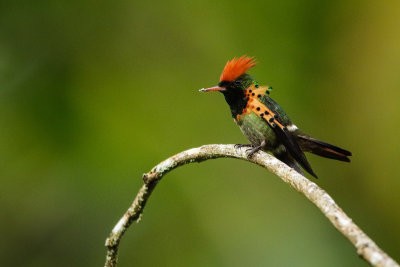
(239, 146)
(253, 151)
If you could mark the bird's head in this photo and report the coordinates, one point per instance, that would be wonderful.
(234, 78)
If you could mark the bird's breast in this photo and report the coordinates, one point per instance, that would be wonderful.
(256, 129)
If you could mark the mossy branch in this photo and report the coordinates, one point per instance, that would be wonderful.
(365, 246)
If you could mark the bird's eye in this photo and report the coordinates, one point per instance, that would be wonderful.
(237, 83)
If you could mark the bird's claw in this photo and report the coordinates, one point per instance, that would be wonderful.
(238, 146)
(253, 151)
(250, 149)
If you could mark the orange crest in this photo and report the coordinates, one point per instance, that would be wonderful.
(237, 67)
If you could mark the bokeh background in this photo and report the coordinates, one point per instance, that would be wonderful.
(95, 93)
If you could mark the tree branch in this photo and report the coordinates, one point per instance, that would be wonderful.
(366, 247)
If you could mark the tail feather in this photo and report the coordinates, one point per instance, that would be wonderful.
(323, 149)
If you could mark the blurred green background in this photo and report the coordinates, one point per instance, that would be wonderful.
(95, 93)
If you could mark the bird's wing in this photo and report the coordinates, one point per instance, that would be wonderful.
(267, 109)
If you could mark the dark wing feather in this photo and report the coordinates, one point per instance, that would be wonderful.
(289, 141)
(278, 120)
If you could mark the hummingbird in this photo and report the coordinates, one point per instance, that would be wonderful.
(263, 121)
